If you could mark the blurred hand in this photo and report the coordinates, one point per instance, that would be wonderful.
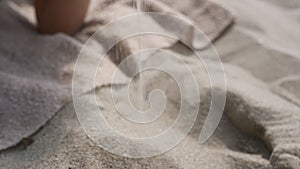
(60, 15)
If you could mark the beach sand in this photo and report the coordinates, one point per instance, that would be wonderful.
(264, 41)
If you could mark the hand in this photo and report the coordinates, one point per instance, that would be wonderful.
(60, 15)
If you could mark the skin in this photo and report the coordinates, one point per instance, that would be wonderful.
(64, 16)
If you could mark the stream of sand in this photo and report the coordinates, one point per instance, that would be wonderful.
(141, 80)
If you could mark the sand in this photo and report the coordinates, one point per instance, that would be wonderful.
(37, 77)
(260, 127)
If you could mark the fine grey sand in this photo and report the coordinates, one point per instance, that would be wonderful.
(261, 124)
(36, 70)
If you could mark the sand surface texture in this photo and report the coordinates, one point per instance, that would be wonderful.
(36, 70)
(261, 124)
